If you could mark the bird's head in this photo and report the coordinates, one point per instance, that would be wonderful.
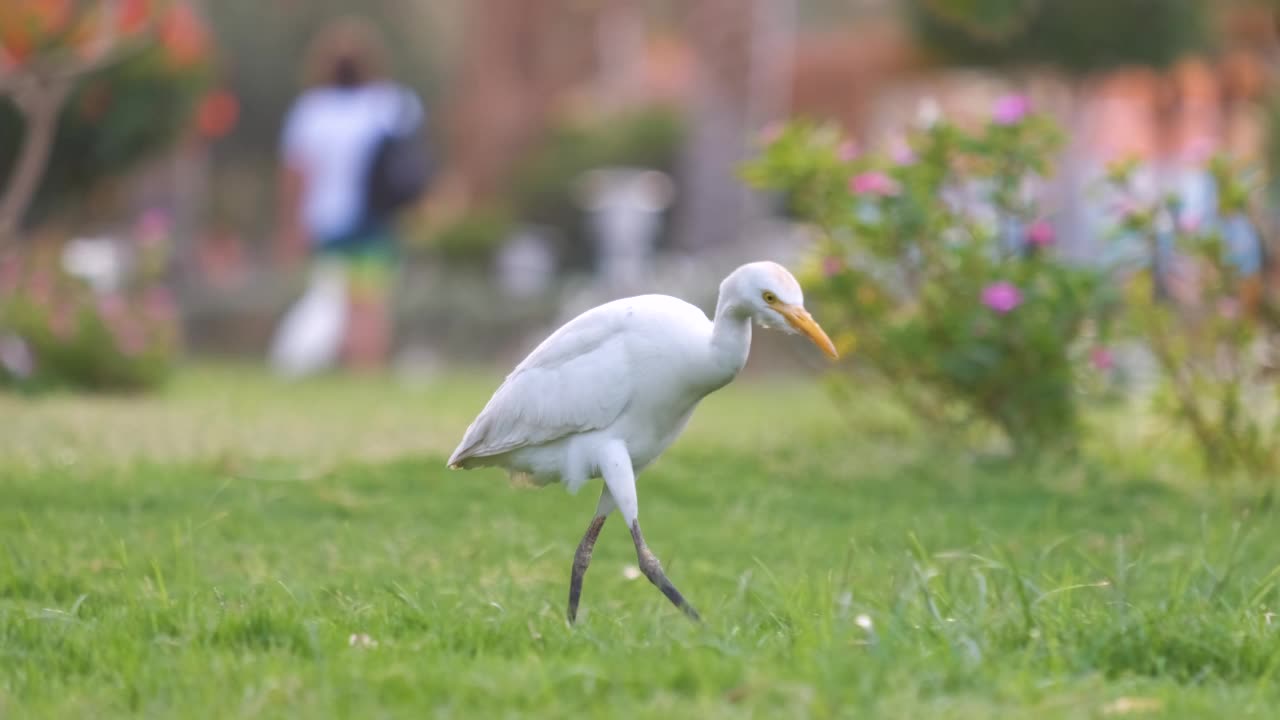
(770, 295)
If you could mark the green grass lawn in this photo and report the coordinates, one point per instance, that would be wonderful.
(211, 552)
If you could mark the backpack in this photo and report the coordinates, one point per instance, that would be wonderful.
(400, 168)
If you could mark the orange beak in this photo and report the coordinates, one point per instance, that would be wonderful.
(800, 319)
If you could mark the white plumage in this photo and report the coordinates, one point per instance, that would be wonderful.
(609, 391)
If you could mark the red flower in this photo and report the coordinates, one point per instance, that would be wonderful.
(26, 24)
(217, 114)
(134, 15)
(183, 36)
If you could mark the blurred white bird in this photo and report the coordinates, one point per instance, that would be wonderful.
(609, 391)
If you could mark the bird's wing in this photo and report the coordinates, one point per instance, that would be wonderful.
(577, 380)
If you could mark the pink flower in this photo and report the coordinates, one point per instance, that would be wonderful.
(1229, 309)
(1002, 296)
(902, 152)
(158, 304)
(848, 151)
(1189, 224)
(111, 306)
(1101, 359)
(873, 183)
(770, 133)
(832, 265)
(153, 226)
(1040, 234)
(1011, 109)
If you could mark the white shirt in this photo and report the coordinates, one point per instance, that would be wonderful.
(329, 136)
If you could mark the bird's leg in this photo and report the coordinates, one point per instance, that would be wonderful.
(582, 558)
(652, 569)
(620, 479)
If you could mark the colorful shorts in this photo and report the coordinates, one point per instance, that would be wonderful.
(370, 260)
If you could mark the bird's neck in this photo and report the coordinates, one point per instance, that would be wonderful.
(730, 338)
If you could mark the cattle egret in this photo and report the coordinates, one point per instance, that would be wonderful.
(608, 392)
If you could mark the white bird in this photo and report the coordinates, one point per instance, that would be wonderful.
(608, 392)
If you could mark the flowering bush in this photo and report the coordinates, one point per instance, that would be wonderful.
(129, 74)
(1197, 303)
(937, 264)
(58, 330)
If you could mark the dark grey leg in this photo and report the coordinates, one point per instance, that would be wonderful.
(581, 560)
(652, 569)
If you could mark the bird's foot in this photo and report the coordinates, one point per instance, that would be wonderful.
(652, 569)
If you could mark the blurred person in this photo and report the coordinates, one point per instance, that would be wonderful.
(333, 135)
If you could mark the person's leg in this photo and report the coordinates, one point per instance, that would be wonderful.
(368, 340)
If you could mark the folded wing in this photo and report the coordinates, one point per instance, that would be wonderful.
(577, 380)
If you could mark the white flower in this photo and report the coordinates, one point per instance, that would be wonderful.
(1132, 705)
(928, 112)
(864, 621)
(362, 640)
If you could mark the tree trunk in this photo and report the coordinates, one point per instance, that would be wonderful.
(714, 203)
(620, 42)
(39, 108)
(518, 58)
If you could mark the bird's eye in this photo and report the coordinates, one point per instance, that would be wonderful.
(770, 298)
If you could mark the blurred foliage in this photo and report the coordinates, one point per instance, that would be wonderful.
(1271, 149)
(936, 270)
(543, 185)
(1079, 36)
(472, 239)
(119, 115)
(1197, 306)
(58, 332)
